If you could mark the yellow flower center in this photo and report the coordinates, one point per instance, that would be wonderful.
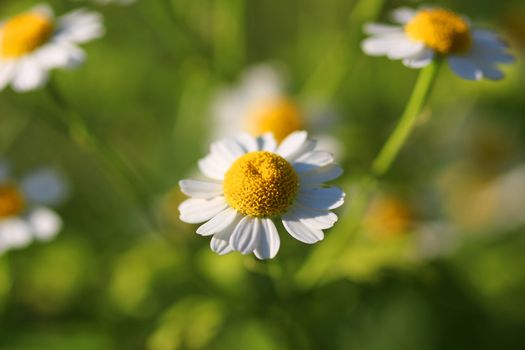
(261, 184)
(24, 33)
(441, 30)
(280, 118)
(11, 201)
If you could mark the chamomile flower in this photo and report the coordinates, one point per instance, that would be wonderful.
(253, 181)
(260, 104)
(422, 36)
(24, 215)
(34, 42)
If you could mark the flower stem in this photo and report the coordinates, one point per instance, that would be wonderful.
(398, 138)
(80, 134)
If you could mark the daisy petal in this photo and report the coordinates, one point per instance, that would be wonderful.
(321, 174)
(218, 223)
(14, 233)
(79, 26)
(317, 219)
(7, 71)
(312, 160)
(197, 210)
(44, 223)
(45, 186)
(213, 167)
(267, 142)
(295, 145)
(245, 236)
(376, 28)
(220, 246)
(402, 15)
(269, 241)
(420, 59)
(380, 45)
(228, 150)
(322, 198)
(248, 142)
(29, 75)
(300, 231)
(200, 189)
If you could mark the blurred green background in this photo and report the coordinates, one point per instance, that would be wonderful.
(438, 263)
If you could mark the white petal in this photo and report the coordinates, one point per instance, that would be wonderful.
(245, 236)
(44, 186)
(248, 142)
(213, 167)
(44, 10)
(269, 241)
(14, 233)
(29, 75)
(420, 59)
(200, 189)
(7, 71)
(266, 142)
(295, 146)
(300, 231)
(377, 28)
(220, 246)
(317, 219)
(228, 150)
(321, 198)
(220, 242)
(44, 223)
(405, 48)
(55, 55)
(320, 175)
(403, 14)
(197, 210)
(464, 67)
(218, 223)
(382, 44)
(79, 26)
(312, 160)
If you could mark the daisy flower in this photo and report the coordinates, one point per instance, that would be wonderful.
(34, 42)
(24, 215)
(260, 104)
(252, 181)
(423, 35)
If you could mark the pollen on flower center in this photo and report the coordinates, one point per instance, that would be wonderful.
(24, 33)
(261, 184)
(441, 30)
(11, 201)
(281, 117)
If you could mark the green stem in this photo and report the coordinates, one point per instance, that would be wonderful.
(399, 136)
(80, 134)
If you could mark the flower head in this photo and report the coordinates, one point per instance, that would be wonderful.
(24, 215)
(34, 42)
(253, 181)
(423, 35)
(260, 104)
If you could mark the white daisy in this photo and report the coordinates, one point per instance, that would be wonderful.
(421, 36)
(24, 215)
(34, 42)
(260, 104)
(252, 181)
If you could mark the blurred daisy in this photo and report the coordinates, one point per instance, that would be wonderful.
(24, 215)
(260, 104)
(34, 42)
(422, 36)
(252, 181)
(388, 216)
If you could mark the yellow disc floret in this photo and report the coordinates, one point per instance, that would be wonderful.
(281, 117)
(441, 30)
(11, 201)
(261, 184)
(24, 33)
